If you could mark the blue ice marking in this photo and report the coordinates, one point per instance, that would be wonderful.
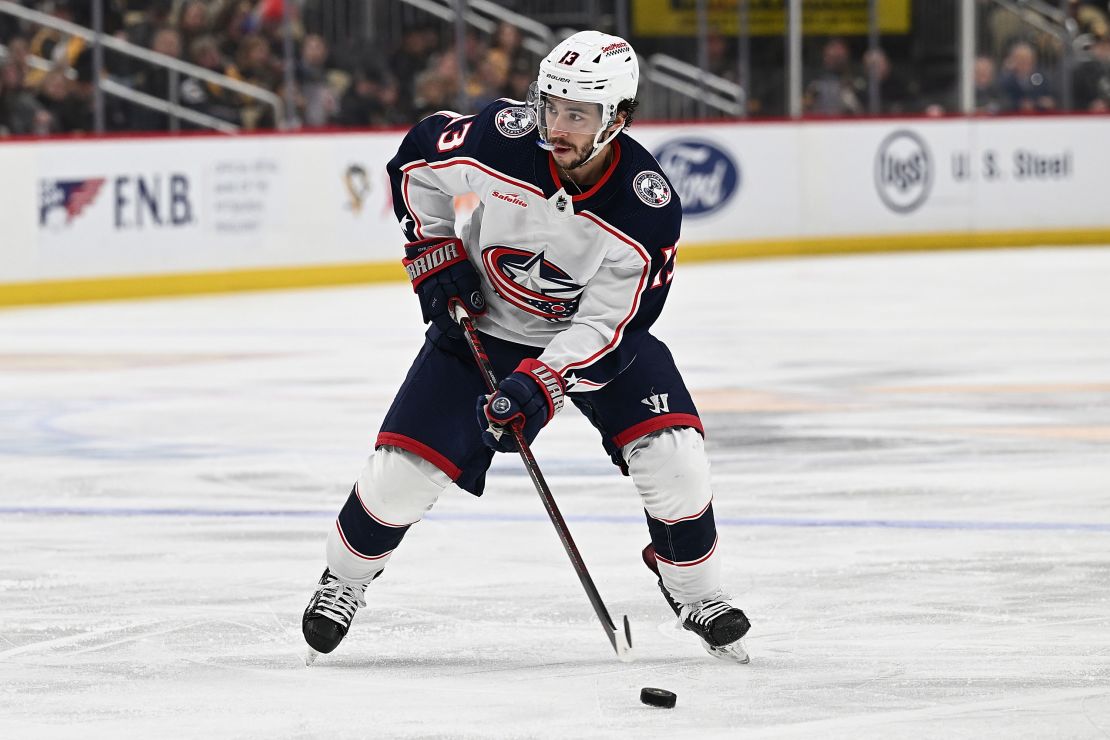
(942, 524)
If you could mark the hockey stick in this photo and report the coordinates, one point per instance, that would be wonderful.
(620, 640)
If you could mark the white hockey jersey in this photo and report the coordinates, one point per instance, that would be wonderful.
(583, 275)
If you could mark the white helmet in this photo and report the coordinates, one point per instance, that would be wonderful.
(588, 67)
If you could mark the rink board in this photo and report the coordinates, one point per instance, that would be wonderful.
(119, 218)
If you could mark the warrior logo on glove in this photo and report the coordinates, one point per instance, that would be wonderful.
(526, 400)
(442, 275)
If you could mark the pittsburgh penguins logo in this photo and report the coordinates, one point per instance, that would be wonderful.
(531, 283)
(515, 122)
(652, 189)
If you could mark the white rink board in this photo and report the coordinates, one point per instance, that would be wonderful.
(165, 206)
(179, 205)
(820, 180)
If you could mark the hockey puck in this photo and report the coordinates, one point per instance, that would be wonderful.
(658, 697)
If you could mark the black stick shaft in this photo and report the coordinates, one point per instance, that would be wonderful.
(533, 469)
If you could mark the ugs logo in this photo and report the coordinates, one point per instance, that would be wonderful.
(903, 171)
(704, 176)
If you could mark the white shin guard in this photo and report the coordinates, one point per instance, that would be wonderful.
(671, 472)
(395, 488)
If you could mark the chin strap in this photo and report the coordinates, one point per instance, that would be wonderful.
(598, 146)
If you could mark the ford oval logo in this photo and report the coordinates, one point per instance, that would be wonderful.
(704, 175)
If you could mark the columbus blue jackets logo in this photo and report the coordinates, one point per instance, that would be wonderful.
(531, 283)
(61, 201)
(652, 189)
(515, 122)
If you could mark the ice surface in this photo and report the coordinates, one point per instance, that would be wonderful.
(913, 485)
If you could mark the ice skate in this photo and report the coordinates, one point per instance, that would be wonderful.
(329, 613)
(719, 625)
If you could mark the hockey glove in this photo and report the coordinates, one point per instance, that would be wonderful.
(441, 275)
(525, 399)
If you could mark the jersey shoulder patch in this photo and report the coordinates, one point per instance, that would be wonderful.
(515, 121)
(644, 204)
(651, 188)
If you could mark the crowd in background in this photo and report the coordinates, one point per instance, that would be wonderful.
(1015, 71)
(244, 39)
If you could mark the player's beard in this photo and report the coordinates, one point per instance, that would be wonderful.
(582, 152)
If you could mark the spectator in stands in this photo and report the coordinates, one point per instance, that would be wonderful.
(167, 41)
(208, 97)
(896, 94)
(434, 92)
(989, 96)
(490, 81)
(1092, 79)
(79, 116)
(51, 96)
(1027, 89)
(18, 50)
(317, 100)
(155, 81)
(411, 57)
(444, 67)
(372, 100)
(721, 61)
(474, 50)
(833, 92)
(157, 16)
(193, 22)
(508, 40)
(269, 19)
(233, 26)
(256, 65)
(521, 77)
(20, 113)
(361, 104)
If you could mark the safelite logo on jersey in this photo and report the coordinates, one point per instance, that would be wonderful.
(704, 175)
(513, 198)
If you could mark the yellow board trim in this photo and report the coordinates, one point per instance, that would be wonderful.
(229, 281)
(816, 246)
(148, 286)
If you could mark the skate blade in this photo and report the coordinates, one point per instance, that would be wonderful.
(310, 657)
(733, 652)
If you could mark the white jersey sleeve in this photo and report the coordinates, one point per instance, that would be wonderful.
(423, 177)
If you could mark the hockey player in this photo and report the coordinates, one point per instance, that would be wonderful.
(566, 263)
